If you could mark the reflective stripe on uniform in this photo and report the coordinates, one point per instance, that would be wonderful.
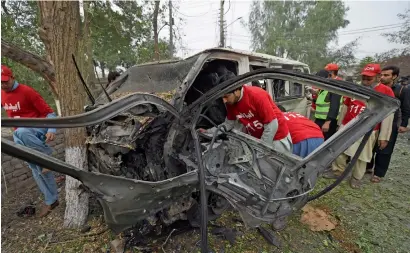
(323, 107)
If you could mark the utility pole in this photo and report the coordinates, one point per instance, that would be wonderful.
(171, 37)
(221, 25)
(155, 26)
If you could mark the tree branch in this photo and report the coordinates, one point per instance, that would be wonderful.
(31, 61)
(3, 5)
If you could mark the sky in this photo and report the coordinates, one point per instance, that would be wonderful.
(199, 29)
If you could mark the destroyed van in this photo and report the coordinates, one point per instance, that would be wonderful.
(150, 167)
(186, 77)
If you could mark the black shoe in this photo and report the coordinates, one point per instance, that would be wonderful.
(55, 204)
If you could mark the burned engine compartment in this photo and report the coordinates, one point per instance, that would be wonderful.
(132, 146)
(236, 169)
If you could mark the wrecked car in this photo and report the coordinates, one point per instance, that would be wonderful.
(148, 164)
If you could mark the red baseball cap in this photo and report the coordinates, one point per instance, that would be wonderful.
(6, 73)
(331, 67)
(371, 69)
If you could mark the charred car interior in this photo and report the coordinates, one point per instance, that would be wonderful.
(150, 167)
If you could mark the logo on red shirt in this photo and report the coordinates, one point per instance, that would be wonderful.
(301, 128)
(248, 115)
(10, 107)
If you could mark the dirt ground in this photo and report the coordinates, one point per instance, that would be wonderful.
(375, 218)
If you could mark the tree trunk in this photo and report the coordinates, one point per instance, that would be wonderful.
(85, 56)
(60, 32)
(102, 66)
(155, 26)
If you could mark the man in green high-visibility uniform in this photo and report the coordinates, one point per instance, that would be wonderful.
(328, 105)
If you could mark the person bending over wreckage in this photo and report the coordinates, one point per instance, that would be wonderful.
(19, 100)
(306, 134)
(255, 109)
(382, 131)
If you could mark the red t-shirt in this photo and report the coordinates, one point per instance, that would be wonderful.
(355, 107)
(301, 128)
(24, 102)
(254, 110)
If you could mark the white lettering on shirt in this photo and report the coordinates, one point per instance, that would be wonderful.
(10, 107)
(292, 115)
(245, 115)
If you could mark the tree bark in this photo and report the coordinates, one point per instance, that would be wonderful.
(60, 31)
(155, 26)
(86, 53)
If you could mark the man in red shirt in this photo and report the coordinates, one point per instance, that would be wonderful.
(383, 130)
(255, 109)
(306, 135)
(22, 101)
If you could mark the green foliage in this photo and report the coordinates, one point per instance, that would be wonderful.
(114, 35)
(300, 30)
(365, 61)
(19, 23)
(122, 32)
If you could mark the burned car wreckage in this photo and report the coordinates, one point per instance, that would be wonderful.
(148, 163)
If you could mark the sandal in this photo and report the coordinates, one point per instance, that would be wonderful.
(375, 179)
(354, 183)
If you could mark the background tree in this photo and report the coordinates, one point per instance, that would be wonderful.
(60, 31)
(299, 30)
(403, 35)
(366, 60)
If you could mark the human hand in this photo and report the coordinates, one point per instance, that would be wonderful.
(383, 144)
(44, 171)
(403, 129)
(326, 126)
(50, 137)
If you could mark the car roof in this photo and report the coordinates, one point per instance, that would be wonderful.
(253, 56)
